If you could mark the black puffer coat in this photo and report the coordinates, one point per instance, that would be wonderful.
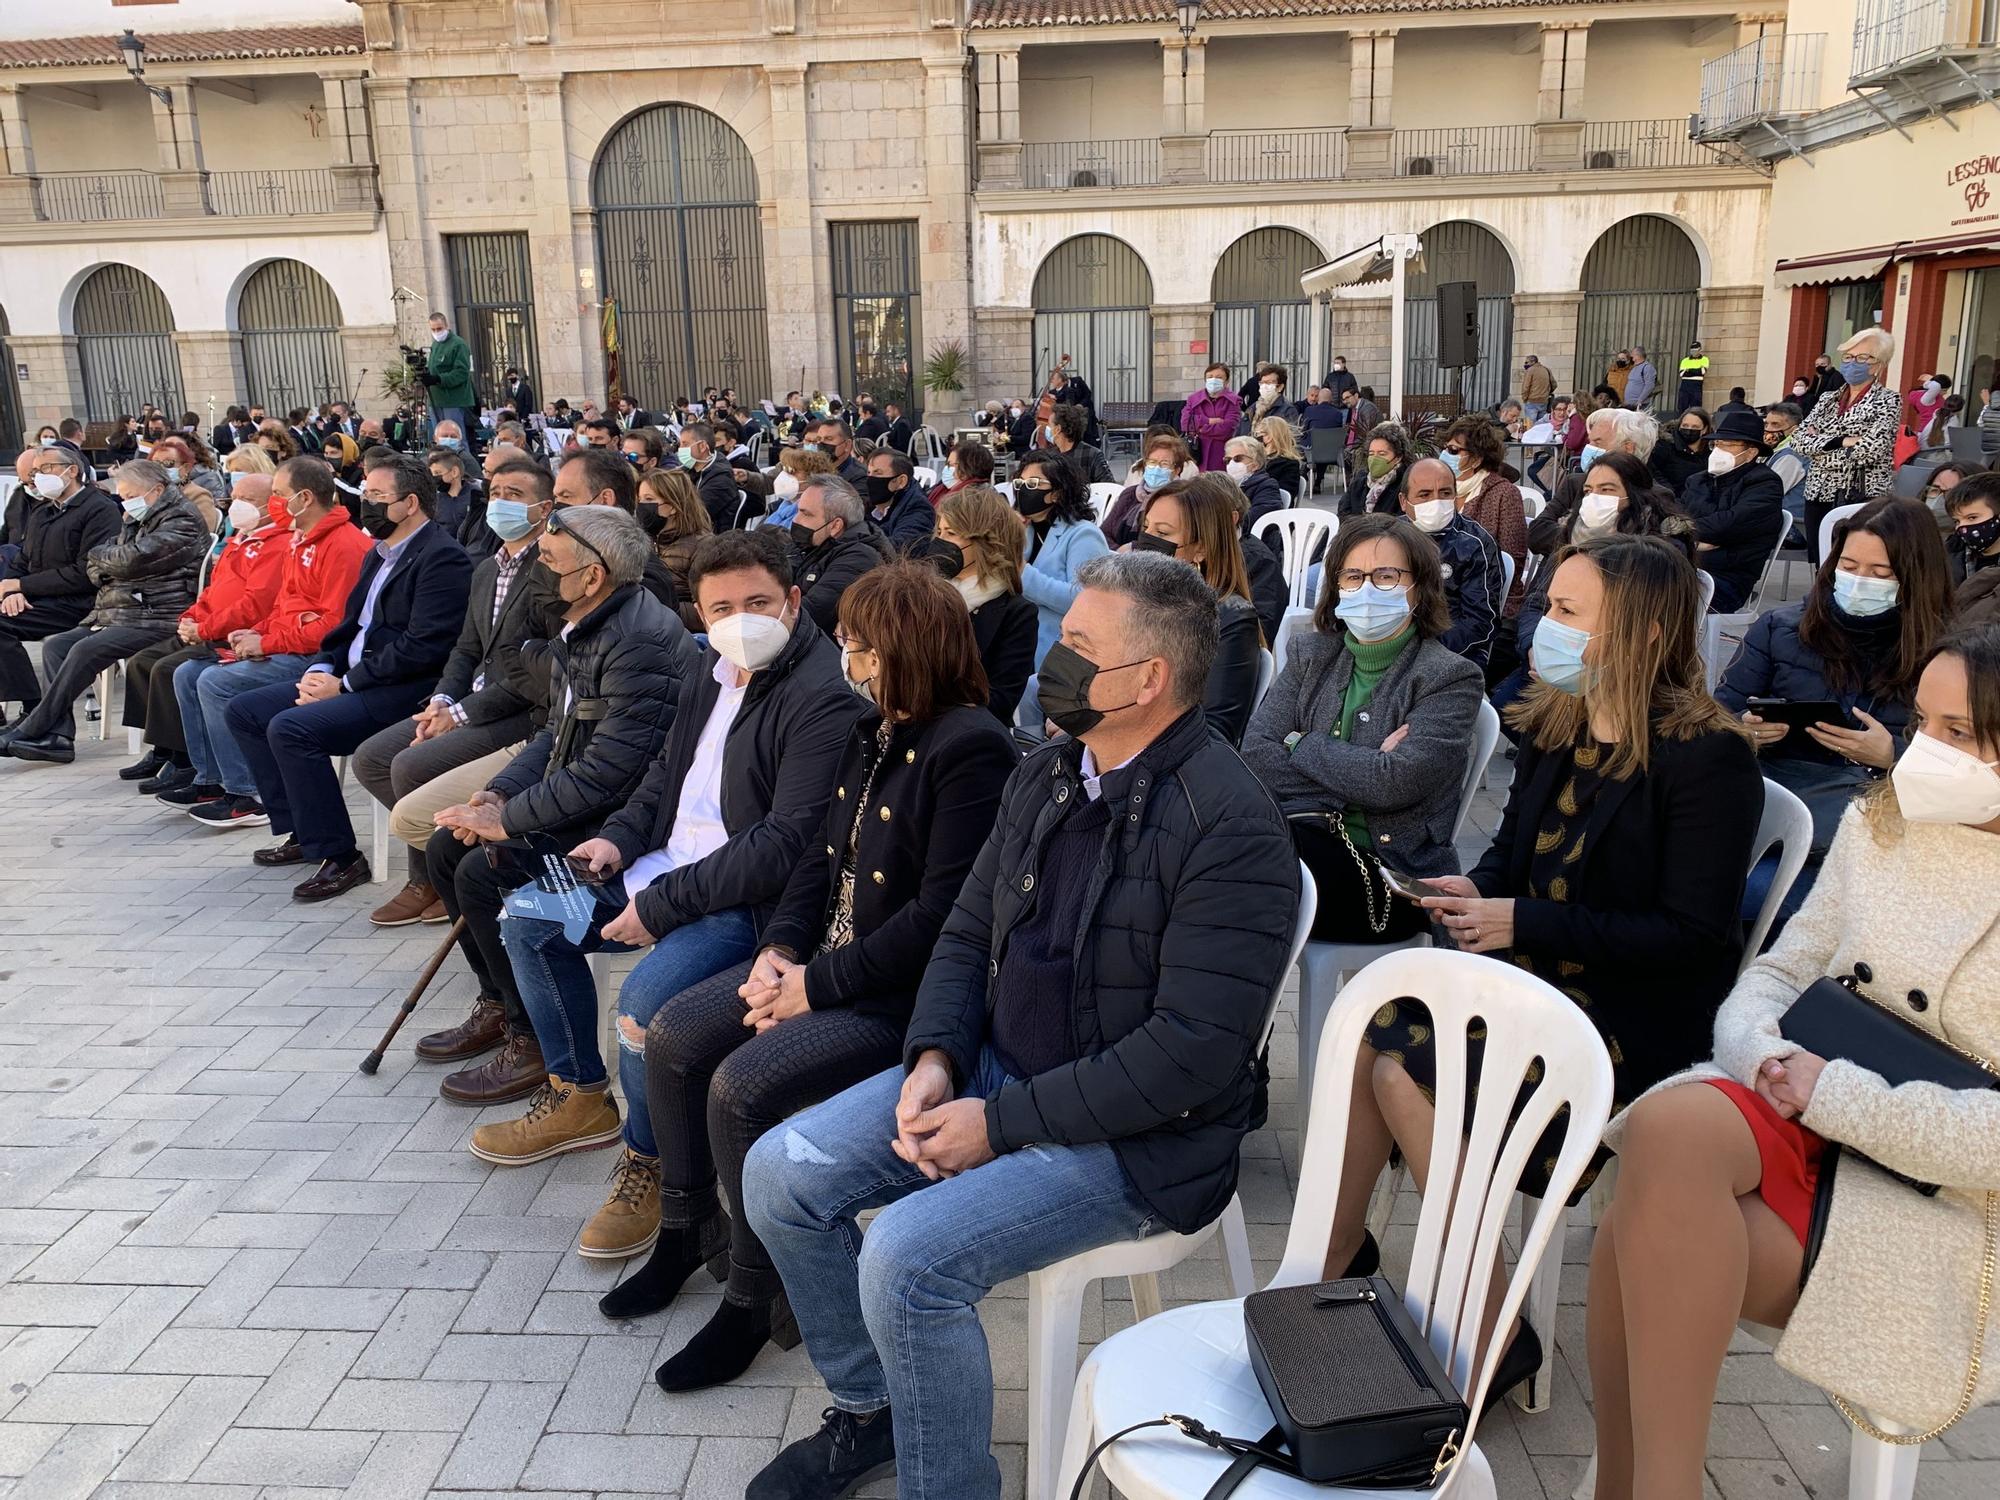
(147, 577)
(1183, 936)
(614, 683)
(825, 572)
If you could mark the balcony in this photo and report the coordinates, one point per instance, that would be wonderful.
(149, 197)
(295, 190)
(1770, 78)
(1277, 155)
(1611, 144)
(95, 197)
(1468, 151)
(1090, 164)
(1891, 35)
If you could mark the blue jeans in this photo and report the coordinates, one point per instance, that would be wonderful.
(290, 749)
(561, 998)
(203, 688)
(893, 1320)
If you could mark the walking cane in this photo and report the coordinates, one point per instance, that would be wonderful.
(374, 1059)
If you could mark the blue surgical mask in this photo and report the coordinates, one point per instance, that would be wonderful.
(1860, 596)
(1214, 385)
(457, 445)
(1049, 436)
(1451, 459)
(174, 473)
(1557, 655)
(1371, 613)
(1156, 476)
(509, 519)
(1591, 454)
(686, 456)
(135, 508)
(947, 476)
(1855, 371)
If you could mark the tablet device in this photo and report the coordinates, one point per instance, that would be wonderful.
(1799, 712)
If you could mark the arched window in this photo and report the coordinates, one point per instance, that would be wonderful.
(1094, 303)
(680, 247)
(1260, 313)
(1641, 285)
(125, 344)
(290, 321)
(1460, 250)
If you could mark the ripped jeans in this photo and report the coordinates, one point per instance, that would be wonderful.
(893, 1319)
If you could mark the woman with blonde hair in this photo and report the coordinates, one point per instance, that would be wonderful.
(795, 466)
(248, 458)
(1762, 1184)
(671, 513)
(978, 544)
(1282, 459)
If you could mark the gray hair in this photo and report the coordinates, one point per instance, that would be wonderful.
(613, 536)
(143, 471)
(839, 499)
(1881, 344)
(1173, 614)
(1638, 428)
(1249, 447)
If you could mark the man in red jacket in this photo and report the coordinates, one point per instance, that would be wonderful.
(320, 570)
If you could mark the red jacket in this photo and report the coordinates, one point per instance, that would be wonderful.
(242, 584)
(320, 572)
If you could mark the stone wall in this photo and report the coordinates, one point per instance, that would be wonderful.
(1176, 371)
(1729, 319)
(1002, 353)
(53, 387)
(1545, 326)
(1359, 329)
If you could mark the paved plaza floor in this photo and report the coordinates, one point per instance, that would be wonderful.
(237, 1269)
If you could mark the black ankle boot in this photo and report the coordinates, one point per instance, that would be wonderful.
(653, 1287)
(728, 1345)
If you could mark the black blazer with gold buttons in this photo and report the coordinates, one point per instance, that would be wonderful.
(924, 819)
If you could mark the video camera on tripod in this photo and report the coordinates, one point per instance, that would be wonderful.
(418, 362)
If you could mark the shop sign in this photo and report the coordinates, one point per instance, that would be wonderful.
(1973, 181)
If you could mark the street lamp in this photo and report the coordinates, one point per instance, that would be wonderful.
(1190, 17)
(134, 52)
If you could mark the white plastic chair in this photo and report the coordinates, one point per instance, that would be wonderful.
(1267, 673)
(104, 702)
(1101, 498)
(1193, 1359)
(1715, 626)
(1300, 533)
(1830, 520)
(1506, 575)
(378, 867)
(1324, 967)
(926, 477)
(1533, 501)
(1055, 1293)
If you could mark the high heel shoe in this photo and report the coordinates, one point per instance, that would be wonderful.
(729, 1344)
(1522, 1359)
(1367, 1260)
(653, 1287)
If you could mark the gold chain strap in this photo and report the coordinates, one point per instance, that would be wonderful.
(1980, 1322)
(1376, 925)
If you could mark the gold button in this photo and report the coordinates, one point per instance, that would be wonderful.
(909, 757)
(885, 815)
(878, 878)
(829, 849)
(840, 792)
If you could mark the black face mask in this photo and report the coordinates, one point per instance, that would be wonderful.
(878, 490)
(1687, 437)
(1977, 536)
(375, 519)
(804, 537)
(651, 521)
(1063, 689)
(1031, 503)
(948, 556)
(1145, 541)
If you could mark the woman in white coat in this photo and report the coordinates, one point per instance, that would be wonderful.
(1719, 1167)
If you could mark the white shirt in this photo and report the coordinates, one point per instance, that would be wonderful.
(698, 830)
(1093, 778)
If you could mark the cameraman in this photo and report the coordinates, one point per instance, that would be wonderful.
(449, 378)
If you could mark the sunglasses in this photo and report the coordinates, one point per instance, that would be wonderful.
(557, 528)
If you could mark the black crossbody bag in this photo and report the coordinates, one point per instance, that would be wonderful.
(1359, 1397)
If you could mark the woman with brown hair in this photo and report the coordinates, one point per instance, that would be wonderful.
(671, 513)
(1195, 521)
(1617, 873)
(981, 527)
(205, 489)
(276, 439)
(1475, 447)
(1166, 459)
(1364, 736)
(825, 1002)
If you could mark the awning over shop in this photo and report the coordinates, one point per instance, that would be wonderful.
(1386, 259)
(1819, 273)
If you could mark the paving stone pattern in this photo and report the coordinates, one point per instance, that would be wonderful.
(237, 1268)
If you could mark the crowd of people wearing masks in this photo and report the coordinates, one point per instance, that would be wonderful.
(959, 835)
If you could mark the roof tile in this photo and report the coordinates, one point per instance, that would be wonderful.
(187, 46)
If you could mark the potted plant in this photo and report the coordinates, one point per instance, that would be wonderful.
(944, 375)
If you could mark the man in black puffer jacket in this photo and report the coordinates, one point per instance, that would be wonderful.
(836, 544)
(145, 582)
(44, 588)
(1083, 1059)
(614, 681)
(1736, 510)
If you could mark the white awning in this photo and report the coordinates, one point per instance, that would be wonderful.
(1866, 268)
(1372, 262)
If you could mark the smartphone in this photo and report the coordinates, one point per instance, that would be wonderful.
(1409, 887)
(584, 874)
(1798, 713)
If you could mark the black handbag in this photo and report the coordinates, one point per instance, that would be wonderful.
(1360, 1398)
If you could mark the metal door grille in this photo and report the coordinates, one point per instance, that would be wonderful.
(1259, 313)
(1093, 302)
(1460, 250)
(125, 344)
(290, 322)
(681, 248)
(493, 308)
(877, 302)
(1640, 286)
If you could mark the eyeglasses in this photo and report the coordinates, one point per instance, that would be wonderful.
(1458, 448)
(847, 642)
(557, 528)
(1032, 486)
(1351, 579)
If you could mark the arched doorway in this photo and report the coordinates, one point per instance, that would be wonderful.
(680, 247)
(1094, 302)
(12, 432)
(125, 344)
(1260, 313)
(1641, 285)
(1460, 250)
(290, 321)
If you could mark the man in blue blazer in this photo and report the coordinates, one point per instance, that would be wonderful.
(376, 666)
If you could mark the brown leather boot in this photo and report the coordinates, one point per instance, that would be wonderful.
(563, 1117)
(629, 1222)
(514, 1072)
(482, 1031)
(407, 906)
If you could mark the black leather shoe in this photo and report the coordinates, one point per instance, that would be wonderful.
(846, 1453)
(333, 878)
(287, 853)
(728, 1345)
(169, 779)
(1367, 1260)
(653, 1287)
(150, 764)
(52, 749)
(1522, 1359)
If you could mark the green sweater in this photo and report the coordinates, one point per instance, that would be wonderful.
(451, 362)
(1371, 660)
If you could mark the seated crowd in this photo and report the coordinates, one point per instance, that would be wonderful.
(1007, 985)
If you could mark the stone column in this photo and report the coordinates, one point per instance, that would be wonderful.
(346, 98)
(1545, 326)
(1003, 351)
(1177, 368)
(395, 141)
(800, 324)
(569, 353)
(945, 255)
(1184, 110)
(365, 352)
(177, 130)
(1358, 331)
(1729, 324)
(1371, 90)
(212, 370)
(17, 159)
(1561, 89)
(53, 387)
(999, 79)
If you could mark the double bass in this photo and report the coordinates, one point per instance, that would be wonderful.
(1047, 404)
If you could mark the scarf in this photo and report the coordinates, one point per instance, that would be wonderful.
(1471, 485)
(978, 591)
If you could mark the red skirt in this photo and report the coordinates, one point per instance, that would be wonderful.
(1790, 1154)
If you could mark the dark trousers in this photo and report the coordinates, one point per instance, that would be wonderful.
(46, 617)
(714, 1086)
(290, 749)
(72, 661)
(393, 763)
(470, 887)
(1345, 901)
(149, 692)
